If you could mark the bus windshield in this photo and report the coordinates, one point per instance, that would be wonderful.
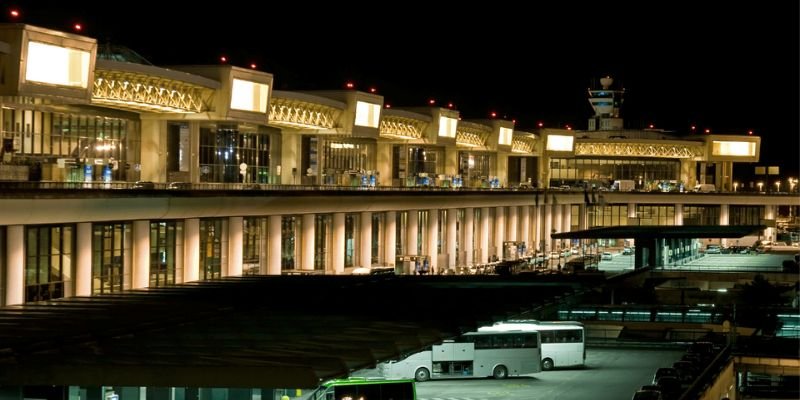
(563, 342)
(474, 354)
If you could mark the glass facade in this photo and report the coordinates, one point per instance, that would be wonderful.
(603, 171)
(351, 228)
(700, 215)
(166, 246)
(745, 215)
(522, 170)
(611, 215)
(111, 253)
(224, 148)
(410, 162)
(323, 240)
(290, 226)
(37, 137)
(655, 215)
(48, 261)
(253, 233)
(377, 237)
(212, 236)
(475, 167)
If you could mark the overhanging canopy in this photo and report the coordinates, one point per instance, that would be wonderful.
(662, 232)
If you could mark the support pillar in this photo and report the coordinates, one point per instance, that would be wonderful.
(511, 223)
(274, 244)
(235, 244)
(484, 239)
(365, 245)
(83, 259)
(433, 240)
(452, 237)
(337, 253)
(526, 226)
(15, 264)
(390, 242)
(191, 249)
(724, 215)
(469, 226)
(499, 231)
(307, 257)
(141, 254)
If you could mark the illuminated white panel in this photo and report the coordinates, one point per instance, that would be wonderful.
(249, 96)
(57, 65)
(505, 136)
(367, 114)
(740, 149)
(447, 127)
(559, 143)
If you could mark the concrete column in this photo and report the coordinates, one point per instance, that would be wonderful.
(566, 223)
(366, 239)
(307, 257)
(484, 238)
(290, 159)
(384, 163)
(412, 227)
(153, 150)
(433, 240)
(390, 238)
(235, 245)
(451, 160)
(83, 259)
(525, 218)
(537, 228)
(15, 264)
(337, 253)
(499, 230)
(547, 218)
(141, 254)
(452, 237)
(274, 239)
(194, 144)
(678, 214)
(724, 215)
(469, 237)
(632, 211)
(191, 249)
(511, 223)
(558, 221)
(703, 172)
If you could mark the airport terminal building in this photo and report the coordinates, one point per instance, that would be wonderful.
(118, 174)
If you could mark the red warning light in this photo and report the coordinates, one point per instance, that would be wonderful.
(708, 130)
(493, 114)
(77, 27)
(431, 101)
(540, 124)
(373, 90)
(350, 85)
(388, 105)
(253, 65)
(450, 105)
(14, 13)
(223, 59)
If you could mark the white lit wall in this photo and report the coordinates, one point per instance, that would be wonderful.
(559, 143)
(249, 96)
(367, 114)
(728, 148)
(447, 127)
(505, 136)
(57, 65)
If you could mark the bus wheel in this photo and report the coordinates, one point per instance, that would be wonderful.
(547, 364)
(422, 374)
(500, 372)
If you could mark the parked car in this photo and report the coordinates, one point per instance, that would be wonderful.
(606, 257)
(144, 185)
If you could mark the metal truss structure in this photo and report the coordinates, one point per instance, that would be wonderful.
(656, 150)
(298, 114)
(471, 134)
(402, 128)
(137, 91)
(521, 144)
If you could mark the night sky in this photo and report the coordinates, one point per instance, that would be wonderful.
(730, 68)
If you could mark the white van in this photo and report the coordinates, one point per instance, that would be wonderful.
(624, 185)
(704, 188)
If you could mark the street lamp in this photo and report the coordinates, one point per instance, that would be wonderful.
(792, 183)
(778, 186)
(760, 186)
(735, 186)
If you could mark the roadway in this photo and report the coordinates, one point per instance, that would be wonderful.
(610, 373)
(767, 262)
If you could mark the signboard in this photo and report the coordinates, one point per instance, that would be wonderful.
(761, 170)
(773, 170)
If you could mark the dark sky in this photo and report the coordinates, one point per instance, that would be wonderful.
(731, 68)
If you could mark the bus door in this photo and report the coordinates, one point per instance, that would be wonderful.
(451, 359)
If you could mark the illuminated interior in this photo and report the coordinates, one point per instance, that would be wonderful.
(367, 114)
(447, 127)
(559, 143)
(57, 65)
(505, 136)
(249, 96)
(726, 148)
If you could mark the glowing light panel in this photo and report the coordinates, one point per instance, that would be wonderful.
(447, 127)
(367, 114)
(505, 136)
(559, 143)
(249, 96)
(739, 149)
(57, 65)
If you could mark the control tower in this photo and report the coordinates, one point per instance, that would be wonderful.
(606, 103)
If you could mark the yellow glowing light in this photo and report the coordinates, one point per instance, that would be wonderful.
(737, 149)
(57, 65)
(367, 114)
(249, 96)
(505, 136)
(447, 127)
(560, 143)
